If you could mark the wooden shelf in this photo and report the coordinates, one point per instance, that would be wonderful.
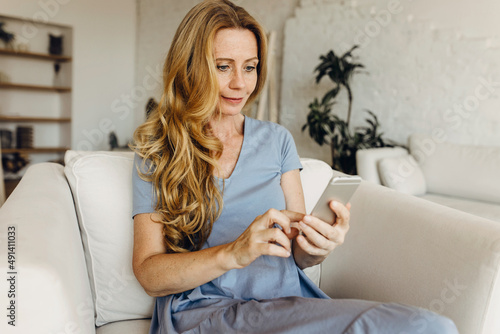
(35, 150)
(35, 55)
(36, 22)
(35, 119)
(7, 85)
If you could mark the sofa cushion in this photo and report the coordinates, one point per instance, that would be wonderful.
(367, 161)
(458, 170)
(102, 192)
(314, 177)
(402, 174)
(128, 327)
(478, 208)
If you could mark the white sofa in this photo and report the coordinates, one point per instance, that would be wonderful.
(463, 177)
(2, 184)
(74, 244)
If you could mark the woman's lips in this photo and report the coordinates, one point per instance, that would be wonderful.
(233, 100)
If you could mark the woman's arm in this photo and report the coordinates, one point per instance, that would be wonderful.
(319, 238)
(162, 274)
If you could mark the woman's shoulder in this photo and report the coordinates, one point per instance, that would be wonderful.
(267, 128)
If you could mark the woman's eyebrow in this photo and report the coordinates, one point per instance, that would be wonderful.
(232, 60)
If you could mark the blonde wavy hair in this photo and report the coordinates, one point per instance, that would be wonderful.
(176, 140)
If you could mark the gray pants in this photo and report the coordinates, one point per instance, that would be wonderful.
(306, 315)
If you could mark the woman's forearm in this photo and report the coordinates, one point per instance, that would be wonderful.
(166, 274)
(303, 259)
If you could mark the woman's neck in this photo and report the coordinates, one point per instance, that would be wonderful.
(227, 127)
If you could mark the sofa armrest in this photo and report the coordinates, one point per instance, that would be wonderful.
(2, 183)
(404, 249)
(367, 161)
(51, 286)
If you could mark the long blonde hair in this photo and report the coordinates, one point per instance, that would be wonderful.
(176, 139)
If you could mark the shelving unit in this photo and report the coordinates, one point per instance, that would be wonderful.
(35, 87)
(34, 55)
(32, 95)
(19, 119)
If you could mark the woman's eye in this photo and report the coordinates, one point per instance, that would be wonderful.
(249, 68)
(223, 68)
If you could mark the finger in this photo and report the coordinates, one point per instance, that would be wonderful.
(274, 216)
(310, 249)
(275, 235)
(293, 216)
(273, 250)
(295, 230)
(319, 226)
(319, 240)
(342, 212)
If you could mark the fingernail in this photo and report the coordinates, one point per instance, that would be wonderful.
(334, 203)
(288, 253)
(302, 225)
(307, 219)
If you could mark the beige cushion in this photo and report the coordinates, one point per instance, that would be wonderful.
(458, 170)
(402, 174)
(101, 187)
(367, 160)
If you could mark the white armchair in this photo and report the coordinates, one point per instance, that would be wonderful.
(74, 243)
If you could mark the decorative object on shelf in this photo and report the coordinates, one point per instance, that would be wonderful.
(113, 143)
(5, 138)
(57, 77)
(325, 127)
(55, 44)
(13, 163)
(6, 37)
(24, 137)
(151, 106)
(113, 140)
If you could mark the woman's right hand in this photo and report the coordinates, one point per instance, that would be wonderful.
(262, 238)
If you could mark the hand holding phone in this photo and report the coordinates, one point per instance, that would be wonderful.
(339, 189)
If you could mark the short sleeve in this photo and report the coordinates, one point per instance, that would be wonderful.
(143, 199)
(289, 157)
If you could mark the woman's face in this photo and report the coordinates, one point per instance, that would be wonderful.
(236, 57)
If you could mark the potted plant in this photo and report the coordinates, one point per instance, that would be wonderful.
(327, 128)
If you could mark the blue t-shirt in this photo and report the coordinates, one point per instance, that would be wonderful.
(268, 151)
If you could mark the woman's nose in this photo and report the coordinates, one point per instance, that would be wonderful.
(237, 80)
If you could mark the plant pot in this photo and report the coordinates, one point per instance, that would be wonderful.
(344, 160)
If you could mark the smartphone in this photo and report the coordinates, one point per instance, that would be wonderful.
(340, 189)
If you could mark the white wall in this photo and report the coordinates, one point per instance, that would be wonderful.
(433, 67)
(422, 60)
(104, 34)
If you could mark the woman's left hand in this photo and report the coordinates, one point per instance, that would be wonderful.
(320, 238)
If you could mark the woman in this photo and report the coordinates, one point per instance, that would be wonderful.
(216, 194)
